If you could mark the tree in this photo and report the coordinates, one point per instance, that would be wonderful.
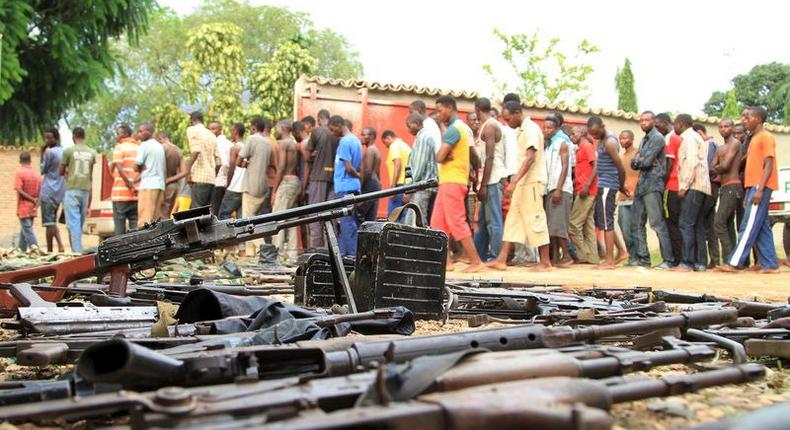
(213, 76)
(274, 81)
(544, 72)
(624, 84)
(766, 85)
(731, 109)
(57, 55)
(150, 76)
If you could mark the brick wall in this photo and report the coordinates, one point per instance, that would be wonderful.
(9, 223)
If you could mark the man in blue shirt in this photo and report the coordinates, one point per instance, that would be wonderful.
(348, 160)
(53, 187)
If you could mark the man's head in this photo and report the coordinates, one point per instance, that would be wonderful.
(725, 128)
(24, 158)
(446, 108)
(368, 136)
(309, 123)
(647, 121)
(700, 129)
(162, 136)
(215, 127)
(323, 118)
(550, 127)
(495, 113)
(755, 118)
(51, 136)
(349, 125)
(558, 118)
(388, 137)
(482, 108)
(663, 123)
(237, 131)
(283, 129)
(578, 133)
(78, 135)
(145, 131)
(626, 139)
(682, 123)
(596, 127)
(744, 113)
(123, 131)
(511, 97)
(299, 131)
(196, 117)
(418, 106)
(739, 132)
(511, 113)
(337, 125)
(414, 123)
(257, 125)
(473, 122)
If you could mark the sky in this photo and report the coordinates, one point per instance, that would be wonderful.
(680, 53)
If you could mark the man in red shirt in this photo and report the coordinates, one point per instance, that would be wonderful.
(27, 184)
(582, 225)
(671, 198)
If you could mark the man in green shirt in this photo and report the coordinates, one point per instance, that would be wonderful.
(77, 167)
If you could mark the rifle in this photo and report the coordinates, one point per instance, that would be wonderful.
(117, 361)
(437, 374)
(191, 234)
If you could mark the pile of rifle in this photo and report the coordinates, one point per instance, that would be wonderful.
(555, 367)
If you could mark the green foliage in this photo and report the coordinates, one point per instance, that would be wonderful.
(545, 73)
(57, 55)
(170, 118)
(157, 72)
(731, 109)
(766, 85)
(273, 82)
(624, 84)
(213, 76)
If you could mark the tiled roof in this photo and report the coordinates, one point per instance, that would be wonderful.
(581, 110)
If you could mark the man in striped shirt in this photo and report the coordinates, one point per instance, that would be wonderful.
(422, 162)
(124, 191)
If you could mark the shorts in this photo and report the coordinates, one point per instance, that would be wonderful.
(449, 211)
(604, 209)
(526, 217)
(558, 216)
(49, 212)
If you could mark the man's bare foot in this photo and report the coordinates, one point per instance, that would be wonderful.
(726, 268)
(620, 258)
(755, 268)
(474, 268)
(786, 262)
(564, 263)
(496, 265)
(605, 266)
(541, 268)
(768, 271)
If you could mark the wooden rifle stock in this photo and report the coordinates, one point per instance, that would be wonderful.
(64, 272)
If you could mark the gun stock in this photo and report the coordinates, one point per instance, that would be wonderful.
(64, 273)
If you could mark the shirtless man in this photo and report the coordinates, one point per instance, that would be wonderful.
(727, 164)
(286, 188)
(371, 163)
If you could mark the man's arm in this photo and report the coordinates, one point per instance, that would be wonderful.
(182, 172)
(280, 166)
(686, 152)
(593, 174)
(564, 161)
(449, 139)
(647, 156)
(367, 165)
(350, 169)
(488, 136)
(529, 160)
(726, 158)
(233, 157)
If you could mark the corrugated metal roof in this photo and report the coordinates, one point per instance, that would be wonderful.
(581, 110)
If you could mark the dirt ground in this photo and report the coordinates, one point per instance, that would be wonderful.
(743, 285)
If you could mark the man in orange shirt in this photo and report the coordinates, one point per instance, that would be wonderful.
(760, 179)
(125, 182)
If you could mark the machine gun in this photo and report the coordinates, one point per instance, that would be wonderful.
(192, 234)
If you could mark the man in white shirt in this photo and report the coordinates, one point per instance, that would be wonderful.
(223, 151)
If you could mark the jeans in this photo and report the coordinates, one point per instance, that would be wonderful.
(625, 220)
(75, 204)
(672, 216)
(756, 231)
(692, 228)
(649, 207)
(201, 195)
(368, 211)
(231, 202)
(394, 203)
(423, 200)
(490, 226)
(730, 209)
(347, 240)
(26, 235)
(217, 193)
(710, 215)
(122, 212)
